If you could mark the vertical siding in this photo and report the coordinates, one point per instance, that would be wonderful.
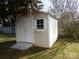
(24, 29)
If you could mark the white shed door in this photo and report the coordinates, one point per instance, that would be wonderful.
(24, 30)
(28, 37)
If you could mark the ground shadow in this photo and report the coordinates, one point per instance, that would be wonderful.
(7, 53)
(35, 52)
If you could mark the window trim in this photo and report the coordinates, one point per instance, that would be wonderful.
(40, 24)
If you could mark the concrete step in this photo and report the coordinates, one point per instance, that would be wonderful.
(22, 46)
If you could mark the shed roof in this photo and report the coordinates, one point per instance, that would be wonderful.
(44, 13)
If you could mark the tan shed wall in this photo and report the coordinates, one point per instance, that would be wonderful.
(41, 36)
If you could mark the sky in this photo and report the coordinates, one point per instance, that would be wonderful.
(48, 5)
(78, 7)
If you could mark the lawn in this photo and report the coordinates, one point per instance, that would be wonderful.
(64, 48)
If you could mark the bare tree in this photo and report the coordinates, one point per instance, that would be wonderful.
(62, 6)
(65, 11)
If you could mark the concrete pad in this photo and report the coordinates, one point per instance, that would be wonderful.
(22, 46)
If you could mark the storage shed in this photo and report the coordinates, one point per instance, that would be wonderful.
(38, 29)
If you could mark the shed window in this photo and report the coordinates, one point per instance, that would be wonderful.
(40, 24)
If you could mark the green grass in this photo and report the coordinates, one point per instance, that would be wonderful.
(64, 48)
(4, 38)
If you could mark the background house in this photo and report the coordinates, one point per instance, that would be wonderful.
(6, 27)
